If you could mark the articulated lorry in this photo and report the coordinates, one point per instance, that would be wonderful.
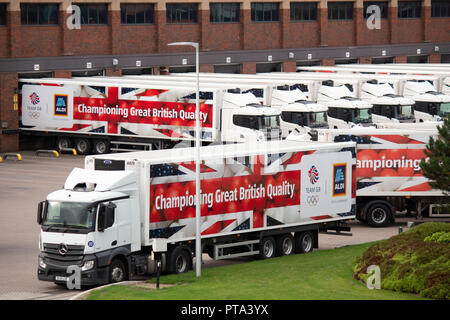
(260, 199)
(388, 176)
(96, 116)
(291, 97)
(303, 102)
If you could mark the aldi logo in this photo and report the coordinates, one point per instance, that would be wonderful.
(61, 105)
(339, 179)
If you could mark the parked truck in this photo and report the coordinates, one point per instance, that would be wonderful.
(88, 113)
(292, 97)
(388, 174)
(261, 199)
(304, 103)
(427, 86)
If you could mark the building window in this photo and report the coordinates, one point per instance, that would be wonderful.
(137, 13)
(182, 12)
(409, 9)
(383, 5)
(93, 13)
(265, 11)
(3, 14)
(224, 12)
(440, 8)
(38, 13)
(301, 11)
(340, 10)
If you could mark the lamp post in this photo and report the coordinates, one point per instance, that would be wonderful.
(198, 245)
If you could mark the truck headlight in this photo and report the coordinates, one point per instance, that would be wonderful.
(42, 263)
(88, 265)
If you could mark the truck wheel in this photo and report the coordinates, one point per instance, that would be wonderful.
(304, 242)
(83, 146)
(285, 245)
(101, 146)
(267, 248)
(378, 215)
(63, 143)
(117, 271)
(180, 260)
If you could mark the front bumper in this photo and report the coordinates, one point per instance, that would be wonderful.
(92, 277)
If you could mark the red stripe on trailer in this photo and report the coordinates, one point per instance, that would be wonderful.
(322, 217)
(50, 84)
(419, 187)
(217, 227)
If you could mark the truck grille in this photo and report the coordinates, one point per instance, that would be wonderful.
(272, 134)
(72, 255)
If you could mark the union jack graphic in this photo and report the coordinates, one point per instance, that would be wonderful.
(34, 98)
(313, 174)
(263, 212)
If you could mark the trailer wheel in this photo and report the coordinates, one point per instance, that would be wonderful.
(101, 146)
(180, 260)
(285, 245)
(267, 248)
(63, 143)
(117, 271)
(83, 146)
(378, 215)
(304, 242)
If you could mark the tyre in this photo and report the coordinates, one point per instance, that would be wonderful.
(285, 245)
(267, 248)
(83, 146)
(63, 143)
(101, 146)
(117, 271)
(180, 260)
(378, 215)
(304, 242)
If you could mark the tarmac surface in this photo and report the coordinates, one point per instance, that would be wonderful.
(24, 183)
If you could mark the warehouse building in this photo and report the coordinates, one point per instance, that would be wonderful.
(42, 38)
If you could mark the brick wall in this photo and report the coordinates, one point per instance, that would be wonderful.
(8, 82)
(17, 40)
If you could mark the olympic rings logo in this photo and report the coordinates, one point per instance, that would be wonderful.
(313, 200)
(34, 114)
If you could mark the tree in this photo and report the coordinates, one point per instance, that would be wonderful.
(437, 168)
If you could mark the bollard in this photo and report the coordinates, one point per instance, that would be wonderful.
(16, 155)
(68, 150)
(56, 153)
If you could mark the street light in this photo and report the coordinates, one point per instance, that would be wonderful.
(198, 245)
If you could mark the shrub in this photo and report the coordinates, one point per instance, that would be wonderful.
(415, 261)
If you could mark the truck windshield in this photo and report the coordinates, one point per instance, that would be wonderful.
(317, 119)
(70, 216)
(257, 122)
(444, 109)
(361, 116)
(405, 113)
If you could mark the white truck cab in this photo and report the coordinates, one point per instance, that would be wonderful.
(94, 216)
(344, 110)
(430, 105)
(244, 118)
(387, 106)
(298, 114)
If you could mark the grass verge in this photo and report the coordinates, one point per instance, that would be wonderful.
(416, 261)
(320, 275)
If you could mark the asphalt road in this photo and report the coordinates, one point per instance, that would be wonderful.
(24, 183)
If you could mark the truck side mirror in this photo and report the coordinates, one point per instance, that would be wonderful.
(106, 215)
(40, 212)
